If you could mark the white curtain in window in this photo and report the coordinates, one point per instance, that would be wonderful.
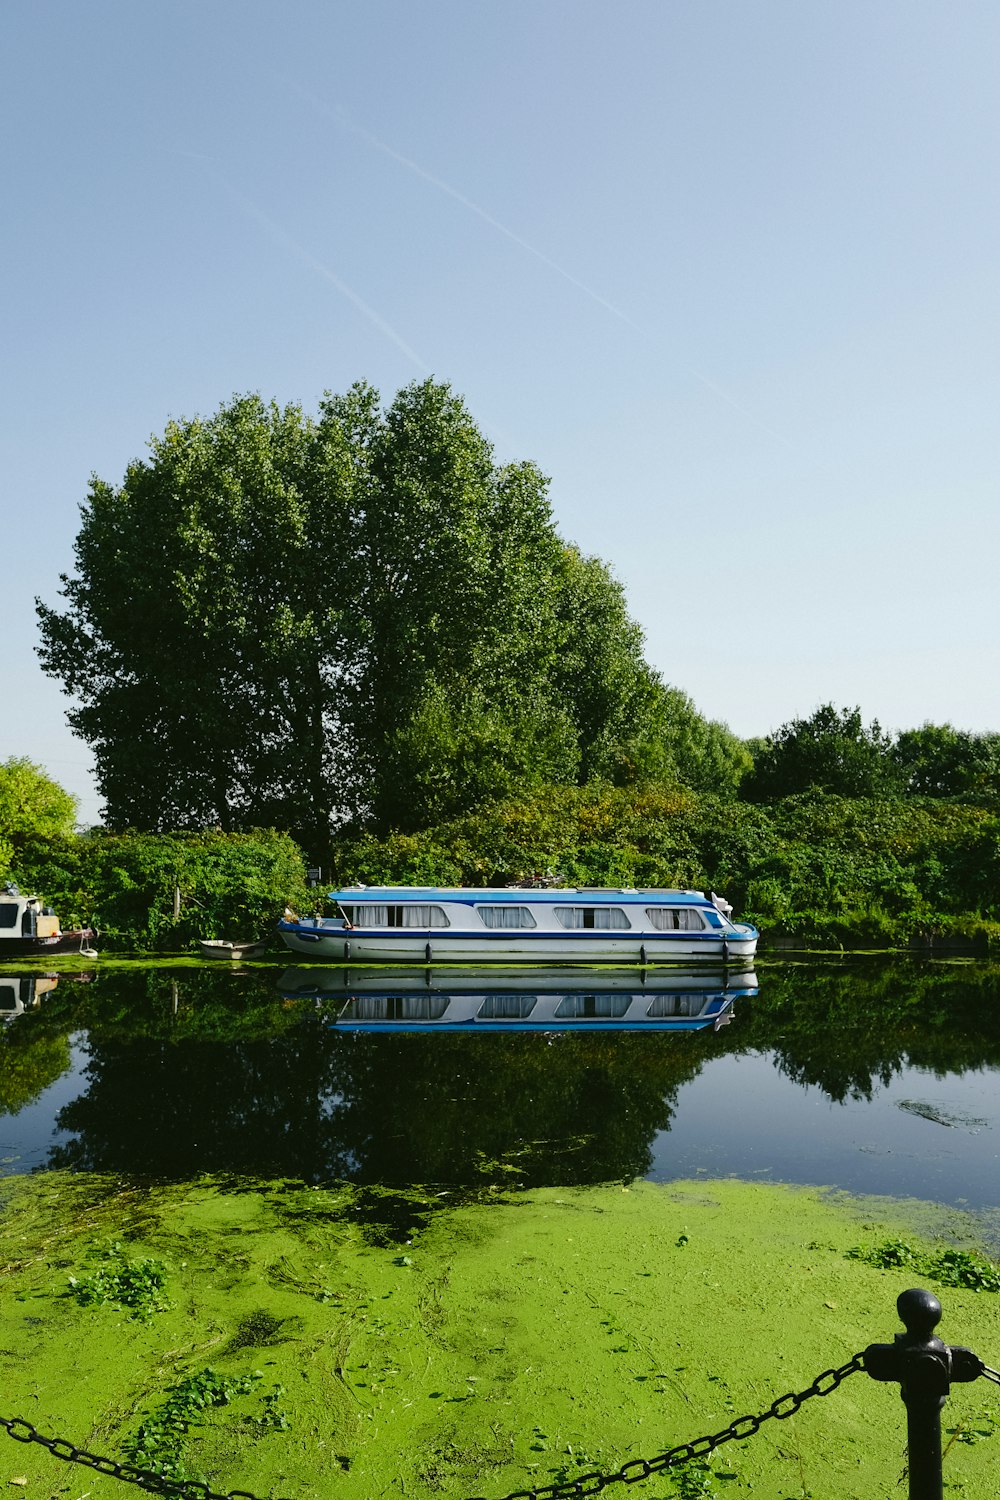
(371, 916)
(423, 916)
(569, 916)
(506, 916)
(675, 918)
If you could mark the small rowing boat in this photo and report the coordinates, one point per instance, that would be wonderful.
(219, 948)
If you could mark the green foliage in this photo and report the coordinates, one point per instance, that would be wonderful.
(948, 1266)
(832, 750)
(693, 1481)
(138, 1285)
(159, 1442)
(292, 621)
(31, 805)
(939, 761)
(231, 885)
(834, 870)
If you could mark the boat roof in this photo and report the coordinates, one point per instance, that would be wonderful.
(562, 895)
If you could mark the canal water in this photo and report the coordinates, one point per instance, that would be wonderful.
(867, 1076)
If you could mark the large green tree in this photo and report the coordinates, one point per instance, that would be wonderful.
(355, 617)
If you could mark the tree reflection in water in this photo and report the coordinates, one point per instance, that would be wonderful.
(191, 1071)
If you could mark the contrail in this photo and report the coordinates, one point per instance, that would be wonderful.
(731, 401)
(284, 239)
(341, 116)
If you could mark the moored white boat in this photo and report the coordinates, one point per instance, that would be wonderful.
(27, 927)
(464, 924)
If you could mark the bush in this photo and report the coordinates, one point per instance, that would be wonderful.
(232, 885)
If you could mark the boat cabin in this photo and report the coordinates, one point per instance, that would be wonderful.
(25, 916)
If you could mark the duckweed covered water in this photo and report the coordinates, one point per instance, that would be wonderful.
(487, 1346)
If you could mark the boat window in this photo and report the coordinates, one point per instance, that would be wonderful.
(8, 913)
(592, 1007)
(506, 916)
(395, 1008)
(410, 915)
(592, 916)
(664, 1006)
(675, 918)
(506, 1007)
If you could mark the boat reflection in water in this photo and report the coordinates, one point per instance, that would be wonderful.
(381, 999)
(21, 992)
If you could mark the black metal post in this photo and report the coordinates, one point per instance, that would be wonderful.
(925, 1368)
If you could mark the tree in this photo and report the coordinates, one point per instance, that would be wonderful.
(831, 750)
(939, 761)
(354, 618)
(31, 803)
(279, 620)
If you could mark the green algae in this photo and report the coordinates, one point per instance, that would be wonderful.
(423, 1346)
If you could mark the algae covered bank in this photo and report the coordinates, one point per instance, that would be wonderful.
(301, 1341)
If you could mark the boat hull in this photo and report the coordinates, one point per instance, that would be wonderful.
(41, 947)
(335, 944)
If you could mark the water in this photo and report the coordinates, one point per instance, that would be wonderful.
(871, 1077)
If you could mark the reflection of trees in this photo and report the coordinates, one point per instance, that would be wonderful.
(30, 1059)
(560, 1108)
(195, 1071)
(316, 1103)
(849, 1029)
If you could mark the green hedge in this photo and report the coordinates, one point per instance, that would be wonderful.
(232, 885)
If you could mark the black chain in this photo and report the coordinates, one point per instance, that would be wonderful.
(23, 1432)
(585, 1484)
(743, 1427)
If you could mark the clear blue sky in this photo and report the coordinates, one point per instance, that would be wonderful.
(730, 273)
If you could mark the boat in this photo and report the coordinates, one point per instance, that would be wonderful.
(28, 927)
(519, 924)
(220, 948)
(23, 992)
(545, 999)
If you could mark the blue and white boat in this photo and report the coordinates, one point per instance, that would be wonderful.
(514, 924)
(517, 999)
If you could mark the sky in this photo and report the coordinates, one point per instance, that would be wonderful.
(728, 272)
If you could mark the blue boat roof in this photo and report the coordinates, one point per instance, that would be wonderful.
(469, 895)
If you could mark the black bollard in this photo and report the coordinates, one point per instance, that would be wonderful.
(925, 1368)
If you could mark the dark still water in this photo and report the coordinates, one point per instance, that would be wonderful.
(873, 1077)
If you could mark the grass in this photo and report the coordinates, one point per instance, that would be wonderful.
(292, 1344)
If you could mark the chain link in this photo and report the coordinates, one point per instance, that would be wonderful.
(633, 1472)
(157, 1484)
(744, 1427)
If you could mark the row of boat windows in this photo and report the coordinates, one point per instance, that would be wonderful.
(518, 1007)
(606, 918)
